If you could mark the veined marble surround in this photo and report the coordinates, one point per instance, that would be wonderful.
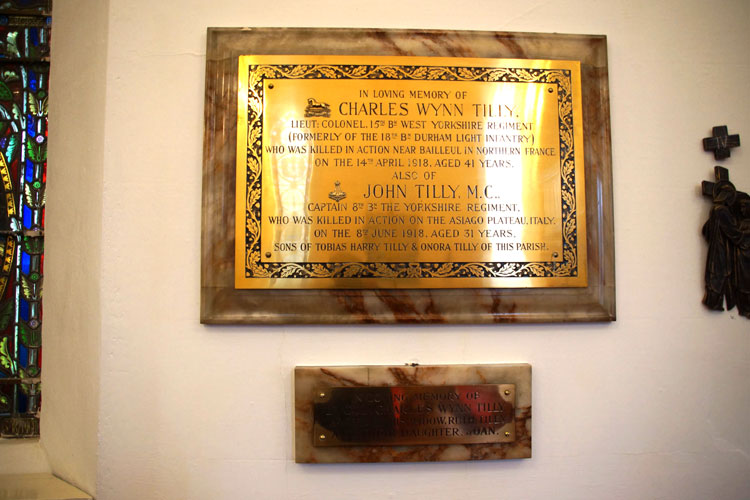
(221, 303)
(308, 380)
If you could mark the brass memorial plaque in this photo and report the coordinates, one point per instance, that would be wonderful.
(409, 172)
(412, 415)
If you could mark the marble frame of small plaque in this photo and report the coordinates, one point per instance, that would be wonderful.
(426, 413)
(223, 303)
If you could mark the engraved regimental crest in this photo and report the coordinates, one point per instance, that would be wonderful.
(315, 108)
(337, 194)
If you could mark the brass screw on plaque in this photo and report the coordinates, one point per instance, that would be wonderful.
(268, 255)
(507, 392)
(322, 394)
(270, 85)
(507, 434)
(554, 255)
(550, 90)
(322, 437)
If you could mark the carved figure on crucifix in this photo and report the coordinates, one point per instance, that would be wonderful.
(743, 262)
(728, 234)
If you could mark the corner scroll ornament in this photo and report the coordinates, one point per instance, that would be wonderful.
(727, 232)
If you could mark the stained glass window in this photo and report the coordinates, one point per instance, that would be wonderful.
(24, 69)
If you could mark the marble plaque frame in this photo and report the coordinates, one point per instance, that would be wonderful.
(310, 380)
(221, 303)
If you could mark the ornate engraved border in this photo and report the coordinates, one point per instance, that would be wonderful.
(254, 268)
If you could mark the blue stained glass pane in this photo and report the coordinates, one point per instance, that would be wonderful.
(25, 263)
(28, 221)
(23, 309)
(23, 355)
(28, 3)
(34, 36)
(23, 402)
(29, 175)
(30, 128)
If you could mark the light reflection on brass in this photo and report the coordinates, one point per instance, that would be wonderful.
(399, 172)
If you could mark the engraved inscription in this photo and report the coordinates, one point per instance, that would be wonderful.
(414, 415)
(456, 173)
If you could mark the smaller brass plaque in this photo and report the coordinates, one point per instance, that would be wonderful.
(407, 415)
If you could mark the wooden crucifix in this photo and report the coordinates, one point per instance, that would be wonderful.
(728, 234)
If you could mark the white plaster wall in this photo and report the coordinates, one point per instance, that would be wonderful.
(655, 405)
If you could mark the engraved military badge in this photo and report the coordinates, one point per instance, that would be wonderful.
(315, 108)
(337, 194)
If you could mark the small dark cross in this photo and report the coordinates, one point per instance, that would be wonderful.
(720, 142)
